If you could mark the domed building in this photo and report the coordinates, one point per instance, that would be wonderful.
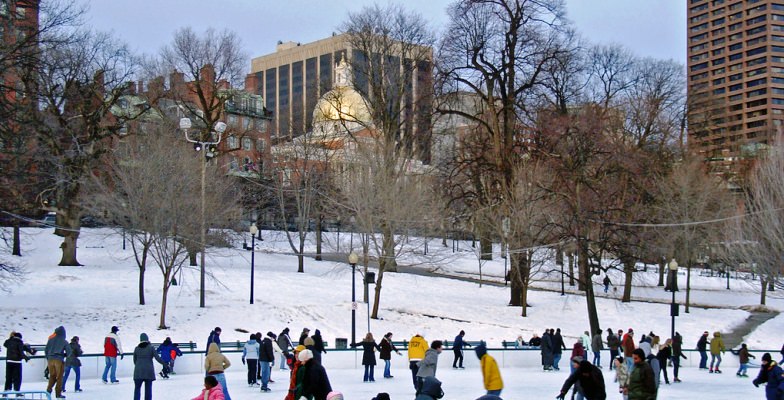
(341, 110)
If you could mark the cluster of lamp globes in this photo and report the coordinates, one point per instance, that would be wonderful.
(210, 147)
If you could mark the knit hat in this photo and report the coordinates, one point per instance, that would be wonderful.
(766, 358)
(305, 355)
(577, 359)
(115, 329)
(335, 396)
(299, 348)
(480, 350)
(272, 335)
(144, 338)
(309, 341)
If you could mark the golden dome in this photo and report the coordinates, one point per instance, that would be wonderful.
(342, 104)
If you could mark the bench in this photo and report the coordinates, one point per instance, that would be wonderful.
(513, 344)
(181, 345)
(468, 343)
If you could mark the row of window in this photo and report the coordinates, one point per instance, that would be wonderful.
(233, 142)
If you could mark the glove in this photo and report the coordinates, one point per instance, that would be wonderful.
(243, 360)
(560, 396)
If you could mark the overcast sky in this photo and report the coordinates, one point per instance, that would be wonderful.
(654, 28)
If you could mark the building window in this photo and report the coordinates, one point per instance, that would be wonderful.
(4, 8)
(233, 142)
(759, 50)
(718, 81)
(247, 123)
(756, 61)
(757, 82)
(247, 143)
(756, 72)
(698, 38)
(733, 88)
(758, 92)
(232, 121)
(699, 67)
(261, 145)
(20, 12)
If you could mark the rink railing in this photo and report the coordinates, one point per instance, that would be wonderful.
(192, 361)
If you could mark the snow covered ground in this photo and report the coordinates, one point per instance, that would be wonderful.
(88, 300)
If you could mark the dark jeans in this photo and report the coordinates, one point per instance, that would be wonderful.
(703, 359)
(663, 368)
(458, 358)
(137, 386)
(613, 356)
(77, 371)
(414, 367)
(13, 376)
(369, 373)
(676, 365)
(252, 370)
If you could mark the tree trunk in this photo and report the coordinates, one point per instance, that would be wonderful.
(688, 286)
(662, 266)
(485, 246)
(300, 263)
(319, 221)
(17, 246)
(571, 269)
(69, 250)
(583, 275)
(192, 257)
(515, 278)
(763, 291)
(164, 297)
(377, 296)
(387, 262)
(585, 278)
(526, 280)
(559, 257)
(628, 272)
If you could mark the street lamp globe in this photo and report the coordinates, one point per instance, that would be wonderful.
(220, 127)
(253, 229)
(185, 123)
(673, 265)
(353, 258)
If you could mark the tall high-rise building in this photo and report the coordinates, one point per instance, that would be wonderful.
(292, 79)
(736, 77)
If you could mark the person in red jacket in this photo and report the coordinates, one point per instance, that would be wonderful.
(628, 348)
(111, 349)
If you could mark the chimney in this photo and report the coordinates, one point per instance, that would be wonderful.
(176, 79)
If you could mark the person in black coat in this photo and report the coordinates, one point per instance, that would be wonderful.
(547, 351)
(369, 346)
(558, 347)
(318, 345)
(315, 381)
(213, 338)
(590, 380)
(387, 347)
(16, 351)
(266, 358)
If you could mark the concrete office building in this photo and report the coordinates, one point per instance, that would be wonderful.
(736, 78)
(292, 80)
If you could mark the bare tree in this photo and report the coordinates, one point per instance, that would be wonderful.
(150, 191)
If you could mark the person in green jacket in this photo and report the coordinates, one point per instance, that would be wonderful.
(642, 384)
(716, 350)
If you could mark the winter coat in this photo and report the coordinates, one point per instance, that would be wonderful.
(293, 380)
(251, 350)
(215, 362)
(717, 344)
(112, 346)
(622, 375)
(458, 343)
(577, 350)
(143, 355)
(417, 348)
(302, 337)
(677, 346)
(16, 350)
(318, 344)
(547, 350)
(491, 373)
(213, 338)
(428, 365)
(642, 384)
(628, 345)
(386, 349)
(431, 389)
(702, 344)
(535, 341)
(612, 342)
(645, 347)
(284, 341)
(215, 393)
(586, 341)
(591, 386)
(73, 358)
(771, 376)
(664, 354)
(596, 343)
(266, 351)
(57, 348)
(314, 381)
(165, 351)
(558, 343)
(743, 355)
(368, 352)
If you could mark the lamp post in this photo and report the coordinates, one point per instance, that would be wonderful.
(672, 286)
(200, 144)
(353, 259)
(253, 229)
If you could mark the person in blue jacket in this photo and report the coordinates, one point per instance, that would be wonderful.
(165, 353)
(213, 338)
(773, 377)
(457, 348)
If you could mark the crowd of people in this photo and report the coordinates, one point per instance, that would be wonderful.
(638, 365)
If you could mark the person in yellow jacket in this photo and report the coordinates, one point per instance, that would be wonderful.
(716, 350)
(416, 352)
(490, 372)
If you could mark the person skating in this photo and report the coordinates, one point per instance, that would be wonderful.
(175, 352)
(165, 353)
(596, 347)
(429, 364)
(212, 390)
(716, 350)
(457, 348)
(112, 348)
(627, 343)
(491, 375)
(250, 357)
(304, 335)
(387, 347)
(621, 374)
(16, 352)
(431, 389)
(664, 355)
(369, 346)
(613, 343)
(677, 354)
(312, 380)
(294, 365)
(642, 382)
(214, 337)
(606, 283)
(591, 382)
(772, 376)
(417, 347)
(702, 347)
(558, 347)
(577, 351)
(318, 346)
(57, 349)
(546, 349)
(143, 368)
(72, 362)
(284, 342)
(266, 358)
(215, 363)
(743, 359)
